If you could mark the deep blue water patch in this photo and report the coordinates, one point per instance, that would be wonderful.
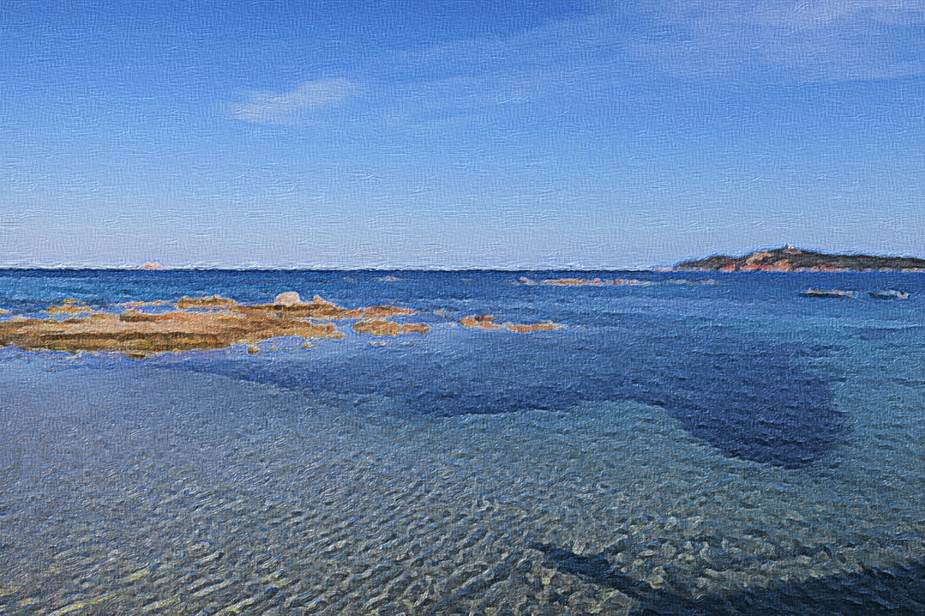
(749, 398)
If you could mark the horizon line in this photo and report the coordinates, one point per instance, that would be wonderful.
(260, 268)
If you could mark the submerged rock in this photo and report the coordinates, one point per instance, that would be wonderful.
(526, 328)
(834, 293)
(890, 294)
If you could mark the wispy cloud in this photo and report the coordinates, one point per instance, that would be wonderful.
(786, 40)
(590, 56)
(780, 41)
(293, 106)
(823, 12)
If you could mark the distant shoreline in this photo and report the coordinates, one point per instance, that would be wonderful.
(790, 259)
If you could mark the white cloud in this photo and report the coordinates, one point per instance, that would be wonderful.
(294, 105)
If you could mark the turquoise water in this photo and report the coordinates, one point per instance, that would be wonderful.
(693, 445)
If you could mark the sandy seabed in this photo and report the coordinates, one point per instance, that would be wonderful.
(152, 490)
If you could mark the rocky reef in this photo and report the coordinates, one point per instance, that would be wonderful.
(382, 327)
(793, 259)
(140, 334)
(211, 322)
(587, 282)
(487, 322)
(195, 323)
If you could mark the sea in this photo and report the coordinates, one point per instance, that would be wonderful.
(694, 443)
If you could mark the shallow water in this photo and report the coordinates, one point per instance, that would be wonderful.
(726, 447)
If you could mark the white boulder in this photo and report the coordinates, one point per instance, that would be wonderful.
(288, 298)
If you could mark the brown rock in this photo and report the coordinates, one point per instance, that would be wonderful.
(213, 301)
(526, 328)
(487, 321)
(482, 321)
(382, 327)
(322, 309)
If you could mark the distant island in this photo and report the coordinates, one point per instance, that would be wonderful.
(792, 259)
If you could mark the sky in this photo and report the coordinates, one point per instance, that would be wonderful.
(516, 134)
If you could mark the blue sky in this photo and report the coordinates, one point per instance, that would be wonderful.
(458, 134)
